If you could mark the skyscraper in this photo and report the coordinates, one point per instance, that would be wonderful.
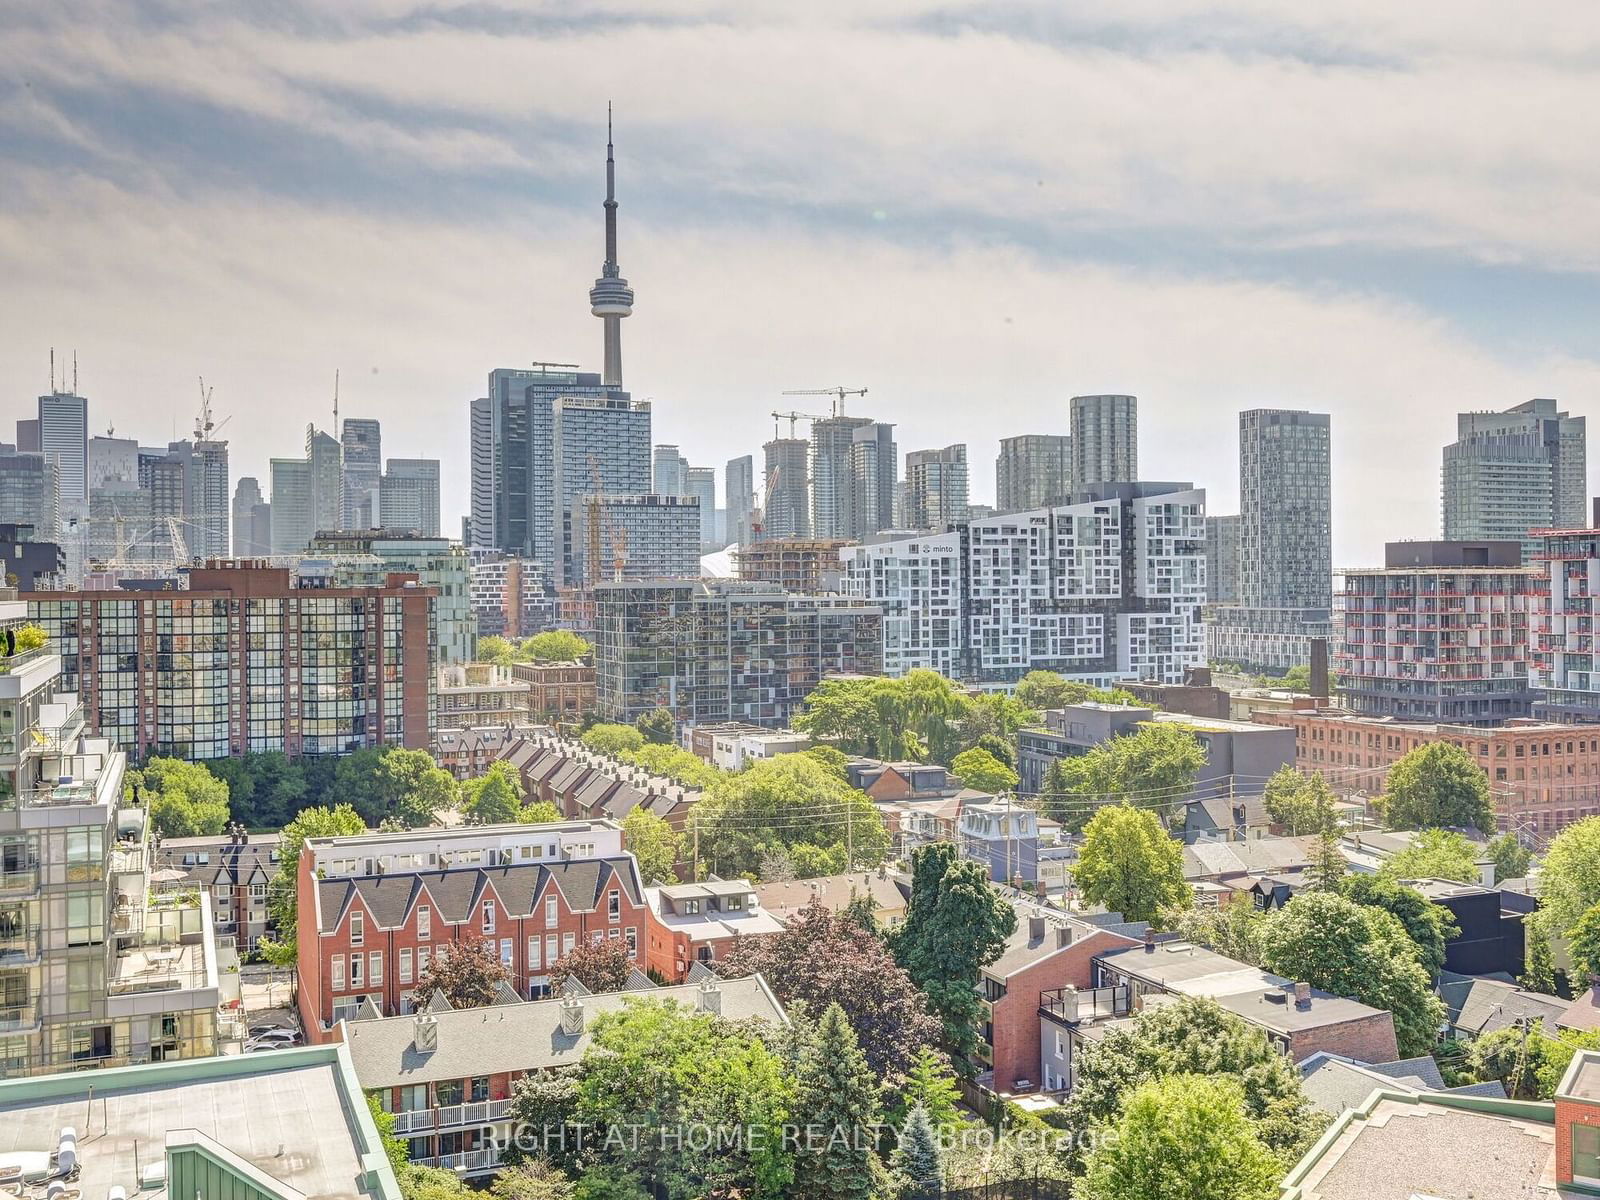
(481, 522)
(29, 493)
(408, 496)
(702, 485)
(64, 439)
(1222, 560)
(112, 458)
(831, 488)
(786, 492)
(739, 497)
(1032, 470)
(874, 468)
(252, 529)
(1507, 473)
(292, 521)
(361, 441)
(327, 479)
(205, 496)
(1285, 542)
(1105, 440)
(602, 447)
(936, 487)
(669, 472)
(611, 298)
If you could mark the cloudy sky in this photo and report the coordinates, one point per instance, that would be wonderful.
(1382, 211)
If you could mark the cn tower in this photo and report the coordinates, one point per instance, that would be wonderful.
(611, 298)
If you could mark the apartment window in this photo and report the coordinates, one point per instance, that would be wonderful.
(550, 951)
(423, 956)
(358, 928)
(551, 915)
(632, 934)
(533, 955)
(338, 973)
(375, 968)
(447, 1092)
(488, 916)
(357, 963)
(614, 906)
(424, 923)
(405, 964)
(568, 941)
(480, 1088)
(505, 952)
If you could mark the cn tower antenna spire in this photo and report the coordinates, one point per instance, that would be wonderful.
(611, 298)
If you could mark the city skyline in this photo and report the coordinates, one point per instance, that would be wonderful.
(1386, 307)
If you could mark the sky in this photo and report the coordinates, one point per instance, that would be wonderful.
(1382, 211)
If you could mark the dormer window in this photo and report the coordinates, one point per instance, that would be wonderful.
(614, 906)
(358, 928)
(691, 907)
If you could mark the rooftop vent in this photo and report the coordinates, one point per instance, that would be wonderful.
(709, 999)
(425, 1033)
(571, 1016)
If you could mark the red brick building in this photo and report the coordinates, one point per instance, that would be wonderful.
(374, 909)
(699, 922)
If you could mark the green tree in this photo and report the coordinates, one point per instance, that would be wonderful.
(469, 973)
(1130, 864)
(834, 760)
(494, 798)
(1436, 854)
(554, 645)
(1583, 945)
(1510, 857)
(1530, 1063)
(31, 637)
(929, 1085)
(983, 772)
(1428, 925)
(265, 790)
(656, 1065)
(545, 1104)
(1152, 768)
(918, 1157)
(1232, 928)
(1358, 951)
(836, 1096)
(1302, 804)
(342, 821)
(956, 924)
(184, 799)
(1297, 678)
(655, 844)
(540, 812)
(842, 711)
(609, 1183)
(1183, 1136)
(786, 803)
(935, 712)
(1569, 886)
(1194, 1035)
(393, 1148)
(675, 763)
(657, 726)
(1438, 786)
(991, 721)
(413, 788)
(492, 648)
(602, 966)
(531, 1179)
(612, 739)
(432, 1183)
(356, 782)
(1047, 689)
(1328, 865)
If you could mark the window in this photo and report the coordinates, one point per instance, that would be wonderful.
(614, 906)
(375, 968)
(550, 951)
(568, 940)
(447, 1092)
(533, 955)
(358, 928)
(405, 964)
(423, 955)
(488, 916)
(356, 965)
(551, 915)
(338, 973)
(424, 923)
(505, 952)
(480, 1088)
(632, 934)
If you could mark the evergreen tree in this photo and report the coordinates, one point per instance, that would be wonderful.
(836, 1107)
(918, 1156)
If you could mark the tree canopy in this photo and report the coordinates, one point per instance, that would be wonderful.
(657, 726)
(956, 923)
(1154, 768)
(602, 966)
(1130, 864)
(820, 958)
(1436, 854)
(282, 892)
(1438, 786)
(921, 716)
(1359, 951)
(1301, 803)
(265, 789)
(184, 798)
(1428, 925)
(675, 763)
(981, 771)
(469, 973)
(390, 783)
(791, 804)
(1048, 689)
(1510, 857)
(836, 1094)
(555, 645)
(612, 739)
(655, 844)
(495, 798)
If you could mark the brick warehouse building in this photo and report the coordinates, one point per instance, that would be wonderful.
(245, 661)
(374, 908)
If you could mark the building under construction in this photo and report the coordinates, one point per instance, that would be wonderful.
(796, 564)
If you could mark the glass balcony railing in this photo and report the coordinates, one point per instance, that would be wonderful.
(19, 948)
(19, 881)
(19, 1018)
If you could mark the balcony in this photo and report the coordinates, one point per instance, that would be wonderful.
(452, 1116)
(19, 883)
(19, 1018)
(467, 1162)
(1076, 1005)
(20, 948)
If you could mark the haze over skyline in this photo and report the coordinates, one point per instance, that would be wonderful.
(975, 214)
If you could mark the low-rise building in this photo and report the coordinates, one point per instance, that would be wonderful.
(1003, 836)
(586, 785)
(784, 900)
(698, 922)
(447, 1075)
(236, 868)
(469, 753)
(280, 1125)
(1543, 776)
(375, 908)
(479, 695)
(559, 692)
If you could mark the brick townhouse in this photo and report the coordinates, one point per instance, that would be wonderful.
(237, 867)
(584, 785)
(375, 908)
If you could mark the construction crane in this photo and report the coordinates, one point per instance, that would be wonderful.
(204, 427)
(838, 394)
(619, 536)
(792, 418)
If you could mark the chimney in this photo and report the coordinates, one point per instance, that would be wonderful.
(1302, 995)
(1319, 668)
(1063, 936)
(710, 997)
(425, 1033)
(571, 1016)
(1149, 941)
(1035, 929)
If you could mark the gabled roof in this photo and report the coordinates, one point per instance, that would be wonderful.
(504, 993)
(1483, 1006)
(699, 971)
(638, 981)
(573, 986)
(439, 1003)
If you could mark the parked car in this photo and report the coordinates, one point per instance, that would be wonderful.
(275, 1039)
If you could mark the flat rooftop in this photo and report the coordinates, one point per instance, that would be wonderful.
(287, 1113)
